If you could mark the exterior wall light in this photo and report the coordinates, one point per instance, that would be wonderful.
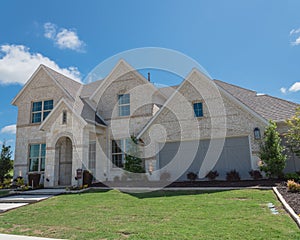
(257, 134)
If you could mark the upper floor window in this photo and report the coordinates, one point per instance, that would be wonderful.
(124, 104)
(40, 110)
(37, 153)
(198, 109)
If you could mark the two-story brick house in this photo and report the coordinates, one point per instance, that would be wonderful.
(198, 126)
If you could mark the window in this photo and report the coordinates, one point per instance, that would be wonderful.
(92, 157)
(198, 109)
(37, 153)
(40, 110)
(64, 117)
(124, 104)
(119, 149)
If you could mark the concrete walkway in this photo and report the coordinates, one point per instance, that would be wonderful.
(20, 199)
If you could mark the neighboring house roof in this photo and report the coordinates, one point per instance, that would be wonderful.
(270, 108)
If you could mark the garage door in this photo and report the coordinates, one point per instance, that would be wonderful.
(235, 155)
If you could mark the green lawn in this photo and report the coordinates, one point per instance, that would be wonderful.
(240, 214)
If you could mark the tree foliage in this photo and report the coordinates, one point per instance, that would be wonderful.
(5, 161)
(271, 152)
(293, 134)
(133, 162)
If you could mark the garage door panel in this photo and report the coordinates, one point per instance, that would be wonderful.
(235, 155)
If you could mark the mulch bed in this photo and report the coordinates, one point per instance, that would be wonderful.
(185, 184)
(293, 199)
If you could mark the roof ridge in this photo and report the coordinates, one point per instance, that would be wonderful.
(249, 90)
(281, 99)
(49, 68)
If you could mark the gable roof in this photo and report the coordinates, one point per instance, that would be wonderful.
(270, 108)
(122, 67)
(171, 91)
(67, 85)
(90, 88)
(70, 85)
(52, 113)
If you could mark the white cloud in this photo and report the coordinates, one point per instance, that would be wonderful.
(50, 30)
(296, 42)
(17, 64)
(283, 90)
(10, 129)
(295, 87)
(294, 31)
(63, 38)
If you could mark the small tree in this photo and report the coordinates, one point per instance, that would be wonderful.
(271, 152)
(5, 161)
(293, 134)
(133, 162)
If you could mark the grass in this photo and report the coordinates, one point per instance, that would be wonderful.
(239, 214)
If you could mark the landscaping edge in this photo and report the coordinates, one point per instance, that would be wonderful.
(287, 207)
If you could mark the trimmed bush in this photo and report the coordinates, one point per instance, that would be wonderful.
(212, 175)
(233, 175)
(192, 176)
(255, 174)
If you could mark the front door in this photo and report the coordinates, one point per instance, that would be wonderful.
(64, 148)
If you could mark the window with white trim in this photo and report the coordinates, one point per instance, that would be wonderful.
(119, 150)
(124, 104)
(40, 110)
(37, 154)
(92, 157)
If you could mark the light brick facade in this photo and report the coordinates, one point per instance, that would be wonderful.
(154, 118)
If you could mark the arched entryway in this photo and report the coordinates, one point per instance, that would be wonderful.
(63, 159)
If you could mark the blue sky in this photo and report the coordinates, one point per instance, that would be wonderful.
(252, 43)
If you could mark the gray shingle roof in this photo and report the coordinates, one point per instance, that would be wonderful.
(70, 85)
(90, 88)
(270, 108)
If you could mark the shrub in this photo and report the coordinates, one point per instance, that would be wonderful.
(165, 176)
(7, 183)
(272, 152)
(255, 174)
(293, 186)
(212, 175)
(292, 176)
(192, 176)
(19, 181)
(233, 175)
